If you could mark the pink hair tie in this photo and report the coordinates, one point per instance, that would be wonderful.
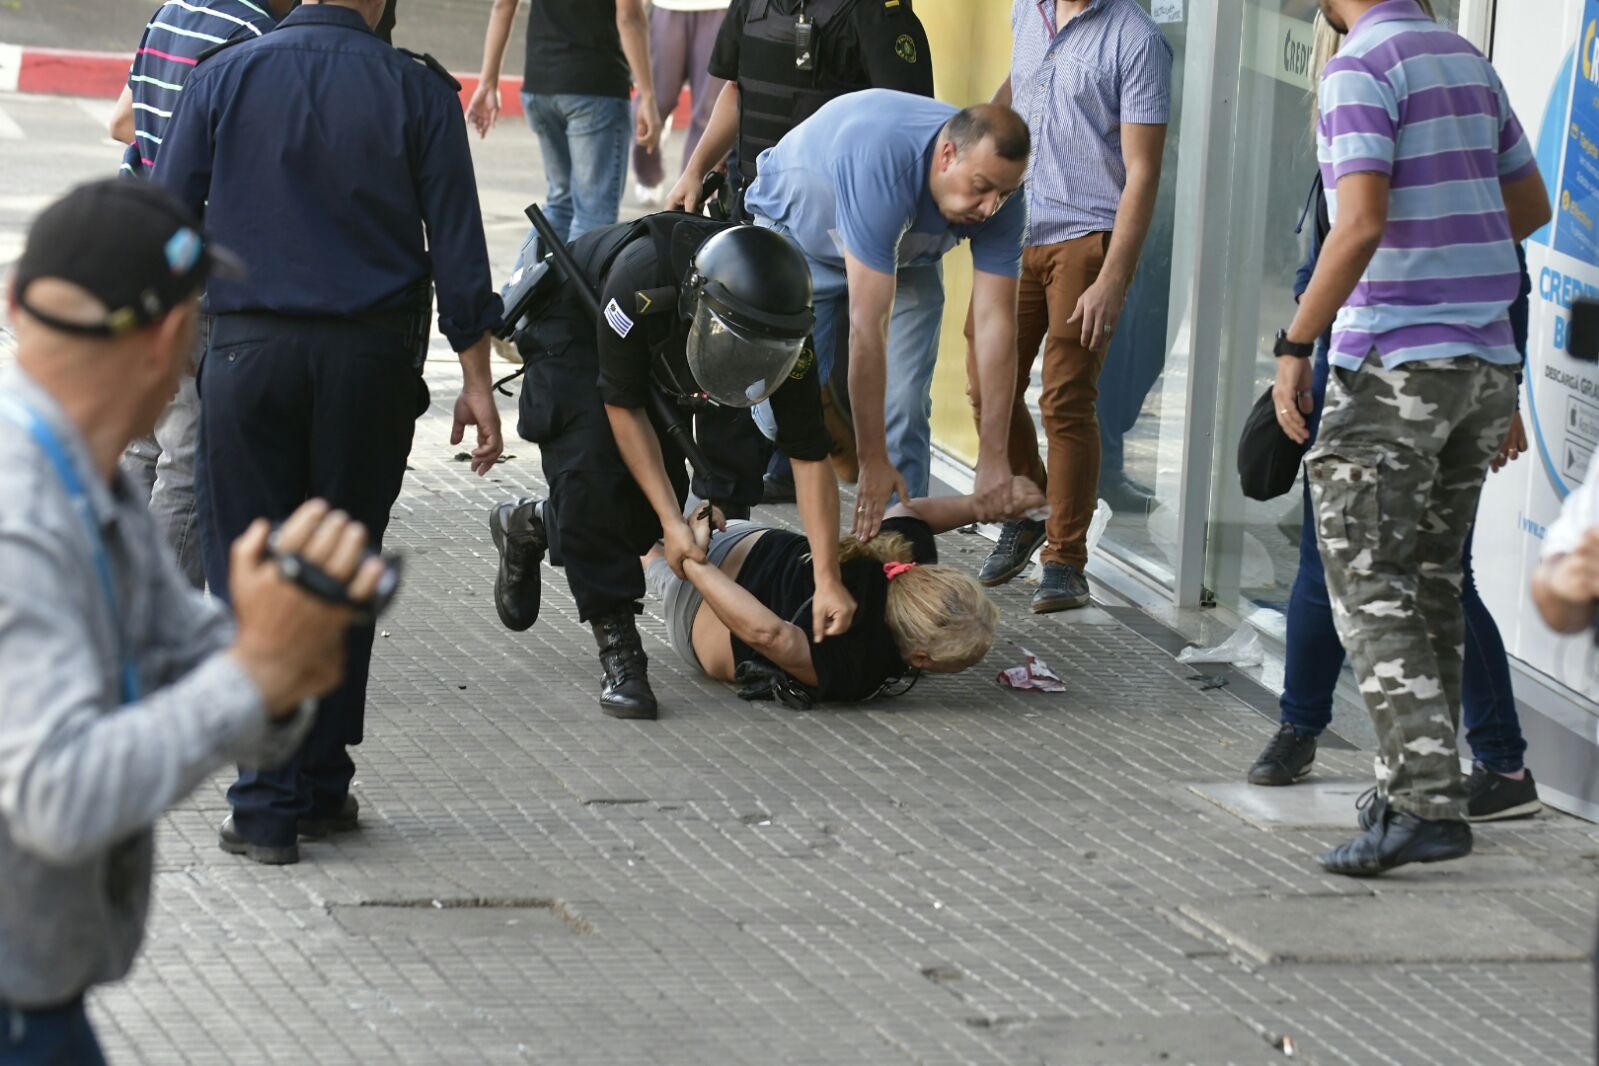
(893, 570)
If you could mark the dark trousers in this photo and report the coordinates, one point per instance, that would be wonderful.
(57, 1036)
(293, 409)
(596, 518)
(1315, 656)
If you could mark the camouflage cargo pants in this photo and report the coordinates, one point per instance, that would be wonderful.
(1395, 474)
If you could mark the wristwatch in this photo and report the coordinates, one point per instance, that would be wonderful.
(1284, 346)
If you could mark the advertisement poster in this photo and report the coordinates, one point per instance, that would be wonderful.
(1558, 104)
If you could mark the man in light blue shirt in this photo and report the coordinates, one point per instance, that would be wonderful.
(875, 188)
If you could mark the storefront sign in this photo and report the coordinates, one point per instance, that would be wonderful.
(1279, 45)
(1559, 106)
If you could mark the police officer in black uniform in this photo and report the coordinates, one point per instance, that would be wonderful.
(784, 59)
(338, 167)
(711, 318)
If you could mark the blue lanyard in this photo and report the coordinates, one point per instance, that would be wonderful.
(17, 412)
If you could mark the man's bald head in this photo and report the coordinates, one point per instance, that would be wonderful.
(978, 162)
(991, 122)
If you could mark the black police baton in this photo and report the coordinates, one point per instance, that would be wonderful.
(671, 418)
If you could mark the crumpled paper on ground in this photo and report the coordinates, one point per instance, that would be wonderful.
(1241, 649)
(1033, 675)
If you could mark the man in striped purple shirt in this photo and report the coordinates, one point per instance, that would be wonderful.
(1430, 183)
(177, 35)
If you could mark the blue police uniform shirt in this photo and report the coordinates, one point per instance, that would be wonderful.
(338, 169)
(853, 177)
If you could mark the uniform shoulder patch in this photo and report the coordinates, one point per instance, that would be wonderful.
(617, 319)
(434, 65)
(905, 47)
(803, 365)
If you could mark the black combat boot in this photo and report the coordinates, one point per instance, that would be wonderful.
(520, 540)
(625, 690)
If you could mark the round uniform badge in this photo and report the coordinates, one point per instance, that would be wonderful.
(802, 365)
(905, 48)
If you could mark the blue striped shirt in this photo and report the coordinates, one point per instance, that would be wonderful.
(1414, 101)
(1076, 87)
(173, 41)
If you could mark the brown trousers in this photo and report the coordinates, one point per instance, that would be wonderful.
(1054, 277)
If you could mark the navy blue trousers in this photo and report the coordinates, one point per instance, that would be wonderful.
(1315, 656)
(292, 409)
(59, 1036)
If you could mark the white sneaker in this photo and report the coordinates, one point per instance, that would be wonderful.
(649, 195)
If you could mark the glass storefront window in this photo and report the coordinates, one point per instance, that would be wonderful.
(1252, 548)
(1143, 386)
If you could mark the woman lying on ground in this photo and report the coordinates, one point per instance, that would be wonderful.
(912, 615)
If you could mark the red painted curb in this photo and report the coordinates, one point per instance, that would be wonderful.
(64, 72)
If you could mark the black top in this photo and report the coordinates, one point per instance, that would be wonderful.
(627, 341)
(861, 46)
(855, 665)
(573, 47)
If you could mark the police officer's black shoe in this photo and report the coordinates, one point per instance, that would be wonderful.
(233, 842)
(625, 689)
(518, 534)
(343, 820)
(1395, 838)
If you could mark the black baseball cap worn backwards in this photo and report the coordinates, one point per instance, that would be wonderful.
(128, 243)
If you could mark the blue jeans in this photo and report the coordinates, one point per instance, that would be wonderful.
(912, 354)
(1311, 669)
(584, 140)
(59, 1036)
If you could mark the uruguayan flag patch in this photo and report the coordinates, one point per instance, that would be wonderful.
(618, 319)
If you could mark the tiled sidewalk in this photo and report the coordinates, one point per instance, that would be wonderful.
(963, 875)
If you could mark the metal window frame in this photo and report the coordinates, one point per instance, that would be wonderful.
(1477, 22)
(1205, 176)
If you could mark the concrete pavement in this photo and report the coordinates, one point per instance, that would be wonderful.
(963, 875)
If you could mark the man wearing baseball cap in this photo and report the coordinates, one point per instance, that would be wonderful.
(123, 687)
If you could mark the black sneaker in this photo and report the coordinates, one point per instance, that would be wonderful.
(1018, 540)
(1063, 588)
(1288, 758)
(519, 538)
(1492, 797)
(1125, 495)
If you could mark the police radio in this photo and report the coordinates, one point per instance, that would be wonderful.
(804, 41)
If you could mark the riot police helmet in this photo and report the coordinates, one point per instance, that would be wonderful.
(747, 297)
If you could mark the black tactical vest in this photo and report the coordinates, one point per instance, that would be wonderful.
(774, 95)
